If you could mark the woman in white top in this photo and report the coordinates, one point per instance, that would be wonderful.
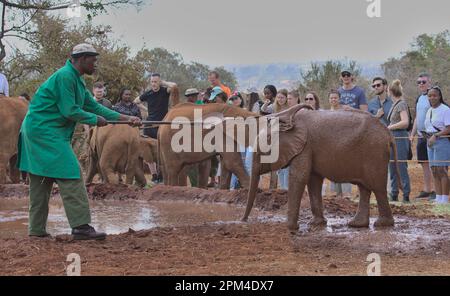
(254, 102)
(437, 124)
(270, 92)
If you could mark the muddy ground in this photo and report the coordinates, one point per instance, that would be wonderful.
(198, 232)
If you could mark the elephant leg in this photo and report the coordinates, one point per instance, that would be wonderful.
(172, 173)
(2, 171)
(361, 218)
(315, 199)
(225, 178)
(182, 176)
(130, 171)
(385, 217)
(299, 174)
(139, 174)
(107, 171)
(203, 173)
(14, 172)
(232, 161)
(92, 168)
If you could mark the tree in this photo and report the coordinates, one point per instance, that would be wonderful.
(20, 14)
(51, 48)
(171, 67)
(54, 40)
(428, 53)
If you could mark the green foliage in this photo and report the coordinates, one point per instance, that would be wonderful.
(52, 44)
(428, 53)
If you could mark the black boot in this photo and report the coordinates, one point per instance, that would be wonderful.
(393, 197)
(155, 178)
(160, 178)
(87, 232)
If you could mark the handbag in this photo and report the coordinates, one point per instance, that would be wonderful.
(438, 130)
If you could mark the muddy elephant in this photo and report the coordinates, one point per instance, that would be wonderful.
(12, 113)
(174, 163)
(116, 150)
(342, 146)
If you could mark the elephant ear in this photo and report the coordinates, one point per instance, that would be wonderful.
(286, 118)
(293, 137)
(147, 148)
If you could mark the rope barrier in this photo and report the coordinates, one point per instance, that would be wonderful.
(415, 161)
(400, 161)
(419, 137)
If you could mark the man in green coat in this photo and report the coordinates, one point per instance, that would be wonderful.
(45, 150)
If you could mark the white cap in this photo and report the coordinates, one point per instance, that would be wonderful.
(84, 48)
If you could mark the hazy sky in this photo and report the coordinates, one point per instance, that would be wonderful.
(218, 32)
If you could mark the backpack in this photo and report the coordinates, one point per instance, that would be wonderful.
(410, 119)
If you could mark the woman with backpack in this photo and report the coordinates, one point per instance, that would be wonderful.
(398, 120)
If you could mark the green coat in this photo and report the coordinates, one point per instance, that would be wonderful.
(44, 147)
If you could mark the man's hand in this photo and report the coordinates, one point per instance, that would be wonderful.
(134, 121)
(101, 121)
(431, 141)
(380, 113)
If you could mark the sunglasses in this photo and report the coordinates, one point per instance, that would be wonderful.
(309, 99)
(377, 85)
(421, 82)
(346, 75)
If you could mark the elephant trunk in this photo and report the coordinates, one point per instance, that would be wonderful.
(254, 180)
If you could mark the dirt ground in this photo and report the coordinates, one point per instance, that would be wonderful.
(203, 242)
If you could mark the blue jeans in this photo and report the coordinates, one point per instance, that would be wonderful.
(402, 154)
(234, 180)
(341, 188)
(283, 178)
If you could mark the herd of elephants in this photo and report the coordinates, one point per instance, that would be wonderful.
(348, 146)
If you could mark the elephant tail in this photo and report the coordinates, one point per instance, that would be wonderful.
(393, 144)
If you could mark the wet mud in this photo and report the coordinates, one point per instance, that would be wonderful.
(188, 231)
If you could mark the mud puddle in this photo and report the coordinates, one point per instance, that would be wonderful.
(409, 235)
(115, 217)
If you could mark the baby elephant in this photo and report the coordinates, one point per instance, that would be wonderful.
(342, 146)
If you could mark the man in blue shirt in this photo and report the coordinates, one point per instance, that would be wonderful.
(381, 104)
(422, 106)
(351, 94)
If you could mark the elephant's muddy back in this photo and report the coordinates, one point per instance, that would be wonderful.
(349, 145)
(117, 148)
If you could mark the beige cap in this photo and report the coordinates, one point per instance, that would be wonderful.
(84, 48)
(191, 92)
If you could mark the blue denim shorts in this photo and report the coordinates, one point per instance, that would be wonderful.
(439, 153)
